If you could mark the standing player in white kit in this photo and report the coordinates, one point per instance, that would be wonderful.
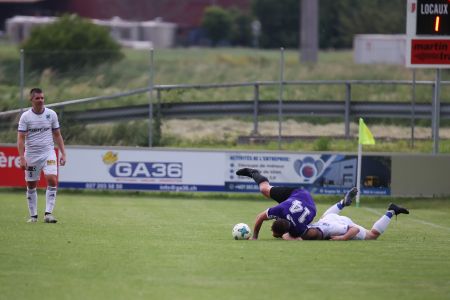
(38, 127)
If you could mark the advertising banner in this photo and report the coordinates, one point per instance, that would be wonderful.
(319, 173)
(147, 169)
(11, 175)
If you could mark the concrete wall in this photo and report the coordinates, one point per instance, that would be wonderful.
(420, 175)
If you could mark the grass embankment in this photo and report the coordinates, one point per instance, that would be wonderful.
(199, 65)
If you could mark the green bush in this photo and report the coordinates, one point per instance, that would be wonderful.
(218, 23)
(70, 43)
(322, 144)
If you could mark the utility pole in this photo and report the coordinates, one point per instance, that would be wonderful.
(309, 30)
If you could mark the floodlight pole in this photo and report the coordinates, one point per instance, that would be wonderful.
(150, 102)
(280, 99)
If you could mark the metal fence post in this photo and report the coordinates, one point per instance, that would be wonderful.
(436, 112)
(150, 102)
(22, 79)
(158, 99)
(348, 99)
(413, 107)
(255, 108)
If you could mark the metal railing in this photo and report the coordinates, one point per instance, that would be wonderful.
(345, 108)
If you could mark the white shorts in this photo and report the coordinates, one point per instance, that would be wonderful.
(337, 222)
(361, 234)
(49, 165)
(362, 231)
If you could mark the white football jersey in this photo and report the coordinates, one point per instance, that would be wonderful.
(39, 129)
(331, 224)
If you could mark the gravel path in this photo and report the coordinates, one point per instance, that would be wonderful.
(229, 128)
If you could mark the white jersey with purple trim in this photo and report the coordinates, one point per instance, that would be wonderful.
(333, 224)
(39, 129)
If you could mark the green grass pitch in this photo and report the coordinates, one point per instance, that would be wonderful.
(152, 246)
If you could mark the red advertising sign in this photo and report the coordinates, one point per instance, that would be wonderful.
(430, 52)
(11, 175)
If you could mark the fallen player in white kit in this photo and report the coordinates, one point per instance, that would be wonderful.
(332, 226)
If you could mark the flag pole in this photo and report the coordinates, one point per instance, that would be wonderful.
(358, 176)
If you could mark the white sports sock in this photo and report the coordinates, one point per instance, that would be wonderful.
(32, 201)
(50, 198)
(382, 224)
(335, 209)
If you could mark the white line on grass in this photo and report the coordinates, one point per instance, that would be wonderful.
(412, 219)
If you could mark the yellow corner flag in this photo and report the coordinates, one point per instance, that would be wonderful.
(365, 136)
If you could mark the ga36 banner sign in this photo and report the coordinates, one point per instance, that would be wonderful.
(186, 170)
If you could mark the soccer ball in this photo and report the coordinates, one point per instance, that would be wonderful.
(241, 231)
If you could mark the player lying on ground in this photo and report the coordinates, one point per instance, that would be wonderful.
(296, 208)
(332, 226)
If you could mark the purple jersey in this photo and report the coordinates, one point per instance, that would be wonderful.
(299, 209)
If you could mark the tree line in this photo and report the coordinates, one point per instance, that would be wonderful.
(279, 22)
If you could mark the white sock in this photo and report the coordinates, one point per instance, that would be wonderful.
(382, 223)
(50, 199)
(335, 209)
(32, 201)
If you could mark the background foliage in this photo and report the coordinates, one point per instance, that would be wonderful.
(70, 43)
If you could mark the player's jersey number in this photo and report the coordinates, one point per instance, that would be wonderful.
(297, 207)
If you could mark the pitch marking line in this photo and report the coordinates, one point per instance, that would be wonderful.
(411, 219)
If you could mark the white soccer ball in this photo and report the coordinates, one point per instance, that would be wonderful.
(241, 231)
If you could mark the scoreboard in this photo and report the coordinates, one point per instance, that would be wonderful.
(433, 18)
(428, 33)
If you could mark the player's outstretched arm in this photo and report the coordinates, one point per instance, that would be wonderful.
(352, 232)
(258, 222)
(288, 237)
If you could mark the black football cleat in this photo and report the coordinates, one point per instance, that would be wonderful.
(246, 172)
(349, 196)
(398, 209)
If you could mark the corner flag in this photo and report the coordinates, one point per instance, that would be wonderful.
(365, 136)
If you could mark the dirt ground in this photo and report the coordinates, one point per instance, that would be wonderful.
(228, 128)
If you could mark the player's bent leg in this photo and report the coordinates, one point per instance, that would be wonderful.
(264, 188)
(252, 173)
(372, 234)
(346, 201)
(281, 193)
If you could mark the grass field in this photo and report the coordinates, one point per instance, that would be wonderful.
(154, 246)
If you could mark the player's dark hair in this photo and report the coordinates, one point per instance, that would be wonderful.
(312, 234)
(280, 227)
(35, 91)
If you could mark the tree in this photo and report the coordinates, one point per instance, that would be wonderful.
(217, 24)
(341, 20)
(69, 43)
(241, 31)
(279, 22)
